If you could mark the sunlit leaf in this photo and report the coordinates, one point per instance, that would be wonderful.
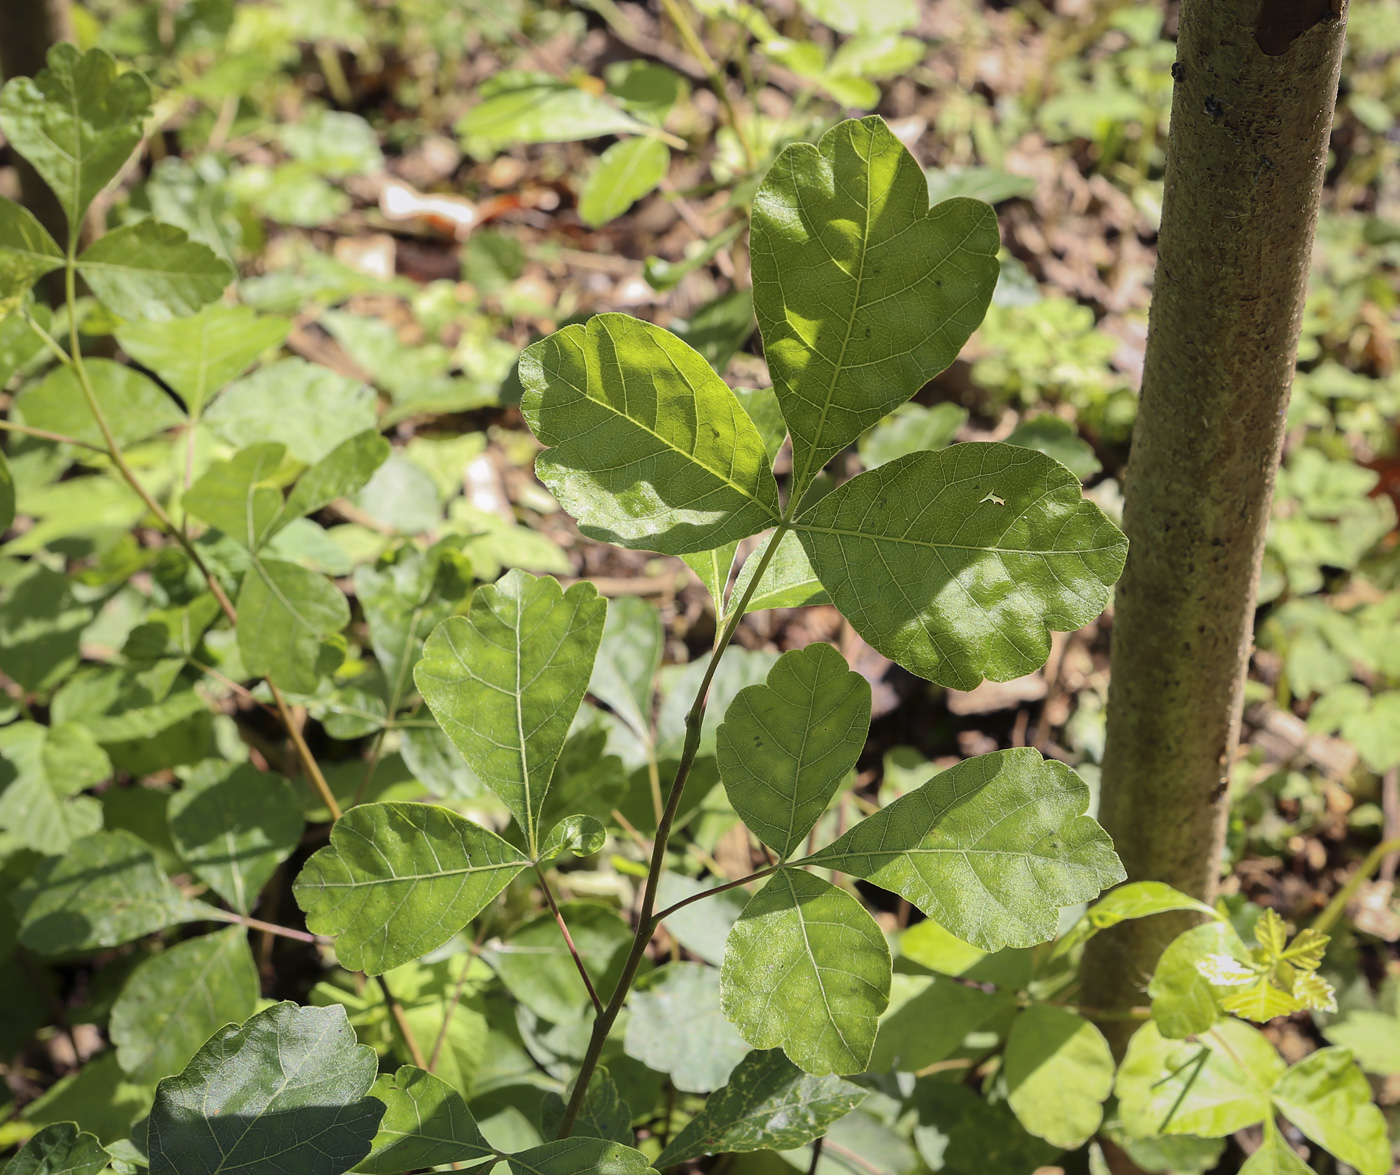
(242, 496)
(626, 172)
(27, 253)
(788, 581)
(133, 406)
(579, 1156)
(1328, 1099)
(676, 1027)
(624, 673)
(153, 271)
(41, 770)
(535, 108)
(284, 613)
(426, 1124)
(341, 473)
(59, 1149)
(1059, 1071)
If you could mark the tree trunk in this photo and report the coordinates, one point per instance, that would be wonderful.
(1251, 118)
(28, 28)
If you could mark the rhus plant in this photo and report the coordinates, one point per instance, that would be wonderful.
(487, 926)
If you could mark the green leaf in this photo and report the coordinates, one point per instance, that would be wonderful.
(624, 673)
(341, 473)
(59, 1150)
(505, 680)
(1328, 1099)
(648, 446)
(41, 769)
(1274, 1157)
(807, 970)
(1372, 1037)
(153, 271)
(536, 967)
(863, 17)
(282, 1094)
(676, 1027)
(1210, 1086)
(27, 253)
(1058, 439)
(306, 407)
(1059, 1071)
(712, 568)
(579, 1156)
(77, 121)
(768, 1104)
(284, 613)
(105, 890)
(785, 746)
(603, 1114)
(959, 1131)
(991, 849)
(531, 108)
(911, 428)
(426, 1124)
(1137, 899)
(928, 1019)
(197, 355)
(788, 581)
(233, 825)
(242, 496)
(626, 172)
(398, 880)
(760, 403)
(863, 293)
(1183, 1001)
(958, 563)
(176, 1000)
(579, 836)
(7, 494)
(134, 407)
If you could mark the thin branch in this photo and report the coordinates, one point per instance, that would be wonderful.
(717, 79)
(271, 927)
(1338, 905)
(415, 1051)
(569, 941)
(456, 997)
(816, 1155)
(44, 435)
(709, 893)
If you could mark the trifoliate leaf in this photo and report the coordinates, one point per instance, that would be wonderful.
(1271, 934)
(505, 680)
(27, 253)
(991, 849)
(957, 564)
(197, 355)
(426, 1124)
(77, 121)
(863, 293)
(282, 1094)
(626, 172)
(807, 970)
(284, 613)
(134, 407)
(648, 446)
(768, 1104)
(1059, 1071)
(399, 880)
(153, 271)
(785, 746)
(1326, 1096)
(676, 1027)
(176, 1000)
(233, 825)
(59, 1149)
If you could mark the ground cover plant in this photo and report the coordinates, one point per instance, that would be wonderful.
(363, 811)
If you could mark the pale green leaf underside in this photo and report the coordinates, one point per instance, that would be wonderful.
(399, 879)
(991, 849)
(788, 581)
(957, 564)
(281, 1094)
(807, 970)
(785, 745)
(426, 1124)
(624, 672)
(863, 292)
(27, 252)
(284, 613)
(505, 680)
(153, 271)
(648, 446)
(1059, 1071)
(768, 1104)
(676, 1027)
(712, 568)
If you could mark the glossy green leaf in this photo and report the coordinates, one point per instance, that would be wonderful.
(579, 1156)
(579, 836)
(505, 680)
(176, 1000)
(398, 880)
(341, 473)
(991, 849)
(1059, 1071)
(426, 1124)
(1274, 1157)
(77, 121)
(197, 355)
(785, 746)
(677, 1028)
(535, 108)
(911, 428)
(624, 672)
(153, 271)
(284, 613)
(1183, 1001)
(1328, 1099)
(807, 970)
(535, 965)
(27, 253)
(768, 1104)
(957, 564)
(1211, 1086)
(60, 1149)
(788, 580)
(105, 890)
(134, 407)
(863, 293)
(282, 1094)
(648, 446)
(233, 825)
(242, 496)
(626, 172)
(41, 770)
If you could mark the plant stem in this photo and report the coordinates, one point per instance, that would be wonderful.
(456, 996)
(816, 1155)
(717, 80)
(44, 435)
(1337, 906)
(569, 941)
(646, 922)
(415, 1051)
(272, 928)
(709, 893)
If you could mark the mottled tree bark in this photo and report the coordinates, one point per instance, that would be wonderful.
(1256, 84)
